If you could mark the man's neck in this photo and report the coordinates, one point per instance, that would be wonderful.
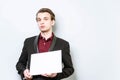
(46, 35)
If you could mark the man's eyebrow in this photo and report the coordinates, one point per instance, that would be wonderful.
(46, 17)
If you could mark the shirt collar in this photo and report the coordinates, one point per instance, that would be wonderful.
(50, 38)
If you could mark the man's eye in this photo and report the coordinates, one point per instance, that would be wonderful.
(45, 18)
(38, 19)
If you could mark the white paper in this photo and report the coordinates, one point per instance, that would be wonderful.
(47, 62)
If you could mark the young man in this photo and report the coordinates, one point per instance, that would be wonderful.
(44, 42)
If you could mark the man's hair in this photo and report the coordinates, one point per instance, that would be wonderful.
(42, 10)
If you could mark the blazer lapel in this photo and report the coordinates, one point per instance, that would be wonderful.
(53, 43)
(36, 44)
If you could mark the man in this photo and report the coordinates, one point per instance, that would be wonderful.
(44, 42)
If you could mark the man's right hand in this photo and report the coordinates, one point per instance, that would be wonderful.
(27, 74)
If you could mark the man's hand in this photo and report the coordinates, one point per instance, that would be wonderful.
(51, 75)
(27, 74)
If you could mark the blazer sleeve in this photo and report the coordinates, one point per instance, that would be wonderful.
(67, 63)
(22, 62)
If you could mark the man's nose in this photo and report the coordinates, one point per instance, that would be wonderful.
(42, 22)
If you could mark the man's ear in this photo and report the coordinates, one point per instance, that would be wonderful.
(53, 22)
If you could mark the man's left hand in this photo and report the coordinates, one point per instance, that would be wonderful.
(51, 75)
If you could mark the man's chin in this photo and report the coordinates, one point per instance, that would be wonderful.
(43, 31)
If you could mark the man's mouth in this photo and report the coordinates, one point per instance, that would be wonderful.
(42, 26)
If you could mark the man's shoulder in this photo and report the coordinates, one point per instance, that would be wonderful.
(32, 38)
(62, 40)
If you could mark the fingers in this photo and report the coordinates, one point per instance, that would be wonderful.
(27, 74)
(51, 75)
(45, 75)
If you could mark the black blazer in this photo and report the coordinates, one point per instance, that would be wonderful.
(30, 47)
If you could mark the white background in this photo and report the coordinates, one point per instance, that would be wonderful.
(91, 26)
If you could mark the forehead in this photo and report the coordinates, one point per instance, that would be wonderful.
(43, 14)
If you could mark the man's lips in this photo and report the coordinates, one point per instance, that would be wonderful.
(42, 26)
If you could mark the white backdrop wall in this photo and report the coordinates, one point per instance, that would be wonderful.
(91, 26)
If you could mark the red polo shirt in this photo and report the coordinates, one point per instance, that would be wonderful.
(44, 45)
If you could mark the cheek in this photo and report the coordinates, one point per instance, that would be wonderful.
(48, 23)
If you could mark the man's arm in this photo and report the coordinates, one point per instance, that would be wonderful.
(67, 63)
(22, 62)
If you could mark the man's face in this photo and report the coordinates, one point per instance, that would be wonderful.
(44, 22)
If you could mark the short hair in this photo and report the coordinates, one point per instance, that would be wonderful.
(42, 10)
